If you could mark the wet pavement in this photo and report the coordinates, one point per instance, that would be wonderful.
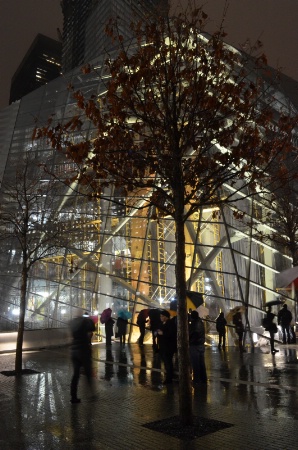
(256, 393)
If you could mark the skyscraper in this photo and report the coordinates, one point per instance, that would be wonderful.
(84, 23)
(41, 64)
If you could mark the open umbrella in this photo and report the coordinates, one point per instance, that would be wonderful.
(154, 316)
(203, 311)
(273, 303)
(94, 318)
(143, 314)
(286, 277)
(105, 315)
(124, 314)
(193, 301)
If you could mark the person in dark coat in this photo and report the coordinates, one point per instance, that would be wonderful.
(272, 328)
(197, 348)
(284, 319)
(82, 328)
(141, 322)
(167, 342)
(122, 330)
(221, 329)
(109, 329)
(155, 324)
(239, 328)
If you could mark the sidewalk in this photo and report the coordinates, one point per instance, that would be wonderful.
(256, 394)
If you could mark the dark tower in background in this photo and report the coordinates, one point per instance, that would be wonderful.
(41, 64)
(84, 23)
(75, 13)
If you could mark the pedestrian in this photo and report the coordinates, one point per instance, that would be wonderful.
(271, 327)
(239, 328)
(155, 324)
(221, 329)
(167, 342)
(122, 330)
(141, 322)
(197, 348)
(284, 319)
(82, 328)
(109, 329)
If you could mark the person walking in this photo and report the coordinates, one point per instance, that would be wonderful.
(221, 329)
(284, 319)
(82, 328)
(239, 328)
(167, 341)
(272, 328)
(155, 324)
(109, 329)
(122, 330)
(141, 322)
(197, 348)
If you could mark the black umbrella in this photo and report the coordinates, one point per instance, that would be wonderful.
(274, 302)
(196, 298)
(193, 301)
(154, 316)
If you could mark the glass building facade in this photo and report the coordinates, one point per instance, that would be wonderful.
(84, 23)
(118, 256)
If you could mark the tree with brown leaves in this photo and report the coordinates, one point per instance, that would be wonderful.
(179, 116)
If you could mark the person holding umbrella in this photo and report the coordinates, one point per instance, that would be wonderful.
(122, 321)
(239, 328)
(141, 322)
(106, 319)
(271, 327)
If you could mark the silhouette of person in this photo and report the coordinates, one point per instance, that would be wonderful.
(82, 328)
(197, 348)
(221, 329)
(141, 322)
(284, 319)
(272, 328)
(239, 328)
(122, 330)
(155, 324)
(167, 341)
(109, 329)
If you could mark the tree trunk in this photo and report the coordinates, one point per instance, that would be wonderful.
(185, 392)
(20, 337)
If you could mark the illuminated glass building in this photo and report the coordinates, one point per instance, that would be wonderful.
(41, 64)
(123, 257)
(84, 23)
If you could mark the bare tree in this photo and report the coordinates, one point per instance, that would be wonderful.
(29, 230)
(279, 224)
(179, 116)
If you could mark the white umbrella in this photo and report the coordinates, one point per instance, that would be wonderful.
(203, 311)
(286, 277)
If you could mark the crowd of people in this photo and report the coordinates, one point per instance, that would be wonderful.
(164, 339)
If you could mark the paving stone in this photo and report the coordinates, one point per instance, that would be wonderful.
(255, 393)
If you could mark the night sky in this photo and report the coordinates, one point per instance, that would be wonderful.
(274, 22)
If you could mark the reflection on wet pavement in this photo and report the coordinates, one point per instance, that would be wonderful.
(256, 381)
(259, 384)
